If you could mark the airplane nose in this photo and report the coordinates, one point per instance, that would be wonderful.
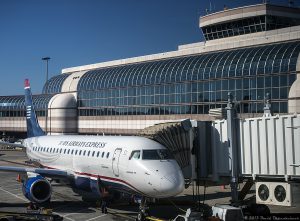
(172, 184)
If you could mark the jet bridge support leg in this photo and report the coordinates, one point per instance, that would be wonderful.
(233, 148)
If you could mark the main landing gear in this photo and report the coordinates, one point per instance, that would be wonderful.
(143, 210)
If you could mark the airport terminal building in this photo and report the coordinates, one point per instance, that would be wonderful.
(249, 51)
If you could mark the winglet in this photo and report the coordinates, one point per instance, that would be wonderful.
(33, 127)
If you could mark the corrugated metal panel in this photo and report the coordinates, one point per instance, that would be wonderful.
(220, 152)
(269, 146)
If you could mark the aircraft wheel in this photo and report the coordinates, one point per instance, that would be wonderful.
(140, 216)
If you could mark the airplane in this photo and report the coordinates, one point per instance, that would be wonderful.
(95, 165)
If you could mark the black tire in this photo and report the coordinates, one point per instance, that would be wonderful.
(140, 217)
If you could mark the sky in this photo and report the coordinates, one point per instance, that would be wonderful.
(81, 32)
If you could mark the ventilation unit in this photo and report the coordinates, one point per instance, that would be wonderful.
(263, 194)
(277, 193)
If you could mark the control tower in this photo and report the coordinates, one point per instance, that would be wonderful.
(248, 20)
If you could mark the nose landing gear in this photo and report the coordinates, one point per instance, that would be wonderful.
(143, 210)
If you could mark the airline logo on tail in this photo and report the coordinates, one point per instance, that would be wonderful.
(28, 112)
(33, 127)
(26, 84)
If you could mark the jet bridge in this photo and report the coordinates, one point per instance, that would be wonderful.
(178, 137)
(263, 150)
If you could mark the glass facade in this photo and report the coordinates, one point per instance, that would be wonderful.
(247, 26)
(192, 84)
(54, 84)
(182, 85)
(14, 106)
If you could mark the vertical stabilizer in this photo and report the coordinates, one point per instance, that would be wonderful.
(33, 127)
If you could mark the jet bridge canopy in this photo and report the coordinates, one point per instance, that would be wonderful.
(178, 138)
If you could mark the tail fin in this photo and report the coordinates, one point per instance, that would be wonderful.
(33, 127)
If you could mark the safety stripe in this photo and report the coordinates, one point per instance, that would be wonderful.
(112, 179)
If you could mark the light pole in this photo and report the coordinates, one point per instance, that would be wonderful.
(46, 110)
(46, 59)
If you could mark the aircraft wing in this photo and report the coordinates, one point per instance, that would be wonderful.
(51, 173)
(5, 144)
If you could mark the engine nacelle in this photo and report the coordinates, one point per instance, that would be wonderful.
(37, 189)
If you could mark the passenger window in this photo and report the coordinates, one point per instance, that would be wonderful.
(88, 153)
(72, 152)
(107, 155)
(135, 154)
(76, 152)
(68, 151)
(102, 154)
(60, 150)
(47, 149)
(98, 153)
(93, 153)
(80, 152)
(57, 150)
(84, 153)
(65, 151)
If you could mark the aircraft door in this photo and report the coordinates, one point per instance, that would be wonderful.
(115, 161)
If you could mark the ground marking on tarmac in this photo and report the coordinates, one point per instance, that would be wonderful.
(15, 190)
(78, 212)
(11, 185)
(63, 216)
(96, 217)
(26, 201)
(60, 207)
(13, 194)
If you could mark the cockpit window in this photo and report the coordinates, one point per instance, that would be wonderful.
(135, 154)
(159, 154)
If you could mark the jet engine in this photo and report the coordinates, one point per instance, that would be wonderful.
(37, 189)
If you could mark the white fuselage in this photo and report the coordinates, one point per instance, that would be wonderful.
(125, 162)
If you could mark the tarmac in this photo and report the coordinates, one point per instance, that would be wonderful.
(69, 205)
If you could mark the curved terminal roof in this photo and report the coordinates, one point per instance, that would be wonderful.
(54, 84)
(277, 58)
(178, 85)
(18, 102)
